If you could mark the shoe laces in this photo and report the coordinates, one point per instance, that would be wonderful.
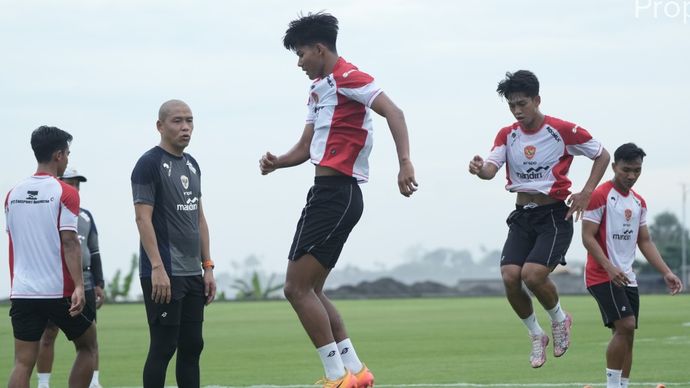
(559, 332)
(537, 346)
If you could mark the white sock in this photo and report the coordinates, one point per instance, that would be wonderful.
(613, 378)
(624, 382)
(532, 325)
(94, 379)
(349, 356)
(43, 378)
(332, 363)
(557, 314)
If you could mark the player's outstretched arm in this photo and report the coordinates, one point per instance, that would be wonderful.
(652, 255)
(578, 202)
(482, 170)
(589, 232)
(298, 154)
(384, 106)
(71, 248)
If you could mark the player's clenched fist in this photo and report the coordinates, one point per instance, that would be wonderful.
(476, 165)
(268, 163)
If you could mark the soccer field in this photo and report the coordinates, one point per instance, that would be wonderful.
(454, 342)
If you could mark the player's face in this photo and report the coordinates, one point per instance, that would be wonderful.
(626, 173)
(177, 126)
(311, 60)
(525, 109)
(62, 158)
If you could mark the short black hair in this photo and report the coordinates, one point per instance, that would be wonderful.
(46, 140)
(522, 81)
(320, 27)
(628, 152)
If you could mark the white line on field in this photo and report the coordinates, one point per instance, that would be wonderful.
(452, 385)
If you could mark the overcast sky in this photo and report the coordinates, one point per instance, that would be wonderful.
(101, 69)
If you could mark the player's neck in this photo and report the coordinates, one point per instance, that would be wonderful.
(171, 149)
(329, 64)
(537, 123)
(47, 169)
(621, 189)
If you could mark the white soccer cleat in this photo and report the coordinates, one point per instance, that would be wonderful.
(538, 356)
(561, 335)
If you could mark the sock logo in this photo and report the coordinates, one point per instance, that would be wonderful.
(332, 353)
(608, 374)
(344, 351)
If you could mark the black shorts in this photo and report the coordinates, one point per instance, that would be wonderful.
(538, 235)
(186, 304)
(334, 205)
(30, 317)
(89, 310)
(616, 302)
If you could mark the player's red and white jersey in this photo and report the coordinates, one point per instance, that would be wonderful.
(620, 217)
(339, 109)
(538, 162)
(36, 210)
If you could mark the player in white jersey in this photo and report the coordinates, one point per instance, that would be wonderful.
(337, 139)
(537, 151)
(45, 262)
(614, 225)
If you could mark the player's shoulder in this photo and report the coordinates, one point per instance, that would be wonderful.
(192, 163)
(600, 194)
(86, 211)
(153, 154)
(561, 125)
(190, 158)
(508, 129)
(347, 75)
(149, 158)
(67, 190)
(639, 198)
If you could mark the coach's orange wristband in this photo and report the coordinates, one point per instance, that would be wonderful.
(208, 263)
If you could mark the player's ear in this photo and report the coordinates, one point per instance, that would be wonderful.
(320, 48)
(537, 100)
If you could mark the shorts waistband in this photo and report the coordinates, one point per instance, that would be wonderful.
(556, 205)
(334, 180)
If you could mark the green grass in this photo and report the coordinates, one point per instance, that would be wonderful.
(405, 341)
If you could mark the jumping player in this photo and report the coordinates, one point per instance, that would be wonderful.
(538, 151)
(337, 139)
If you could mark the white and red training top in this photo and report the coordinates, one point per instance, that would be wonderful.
(620, 217)
(538, 162)
(339, 109)
(36, 210)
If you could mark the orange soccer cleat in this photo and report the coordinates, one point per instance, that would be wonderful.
(347, 381)
(365, 379)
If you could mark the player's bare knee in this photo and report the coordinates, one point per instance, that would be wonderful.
(87, 341)
(294, 292)
(625, 327)
(511, 278)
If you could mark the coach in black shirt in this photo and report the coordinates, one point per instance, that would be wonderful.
(174, 249)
